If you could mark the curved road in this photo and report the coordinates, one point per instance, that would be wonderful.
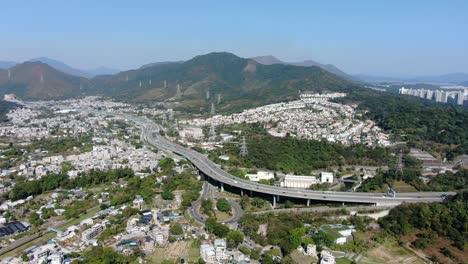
(150, 133)
(207, 190)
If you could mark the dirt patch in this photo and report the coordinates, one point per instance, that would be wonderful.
(300, 258)
(460, 256)
(390, 256)
(251, 67)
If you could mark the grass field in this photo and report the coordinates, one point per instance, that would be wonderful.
(401, 186)
(77, 220)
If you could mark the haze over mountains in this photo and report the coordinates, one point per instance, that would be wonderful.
(451, 78)
(63, 67)
(270, 60)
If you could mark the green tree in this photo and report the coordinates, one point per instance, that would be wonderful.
(167, 195)
(234, 238)
(207, 206)
(34, 219)
(176, 229)
(223, 205)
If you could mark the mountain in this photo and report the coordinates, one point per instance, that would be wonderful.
(270, 60)
(58, 65)
(240, 82)
(6, 64)
(61, 66)
(38, 81)
(451, 78)
(159, 63)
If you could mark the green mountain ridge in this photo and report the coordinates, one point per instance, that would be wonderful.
(241, 83)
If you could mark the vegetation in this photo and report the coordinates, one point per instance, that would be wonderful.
(448, 220)
(234, 238)
(300, 156)
(53, 145)
(414, 119)
(23, 189)
(5, 107)
(216, 228)
(176, 229)
(103, 255)
(223, 205)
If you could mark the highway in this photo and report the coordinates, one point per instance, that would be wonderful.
(151, 134)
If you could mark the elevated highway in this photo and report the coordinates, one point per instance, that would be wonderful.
(151, 135)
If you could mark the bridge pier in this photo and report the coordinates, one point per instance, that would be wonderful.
(251, 193)
(308, 202)
(242, 192)
(274, 201)
(222, 187)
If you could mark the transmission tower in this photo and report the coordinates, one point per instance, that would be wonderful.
(207, 94)
(218, 98)
(165, 84)
(9, 74)
(170, 114)
(243, 148)
(212, 109)
(178, 89)
(212, 133)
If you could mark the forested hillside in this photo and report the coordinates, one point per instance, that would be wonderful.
(414, 120)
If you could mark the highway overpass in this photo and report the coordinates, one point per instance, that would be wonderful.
(151, 135)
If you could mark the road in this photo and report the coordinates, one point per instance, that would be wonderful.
(322, 209)
(151, 135)
(209, 192)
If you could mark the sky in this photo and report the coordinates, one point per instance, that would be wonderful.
(393, 38)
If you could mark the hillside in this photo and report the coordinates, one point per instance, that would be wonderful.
(38, 81)
(240, 82)
(5, 107)
(270, 60)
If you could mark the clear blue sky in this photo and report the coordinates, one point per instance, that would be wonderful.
(378, 37)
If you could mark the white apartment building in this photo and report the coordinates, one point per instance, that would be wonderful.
(92, 232)
(191, 132)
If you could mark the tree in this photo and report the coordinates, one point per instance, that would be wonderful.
(223, 205)
(244, 202)
(207, 206)
(24, 257)
(216, 228)
(234, 238)
(34, 219)
(176, 229)
(167, 195)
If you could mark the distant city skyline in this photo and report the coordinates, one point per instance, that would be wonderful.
(397, 38)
